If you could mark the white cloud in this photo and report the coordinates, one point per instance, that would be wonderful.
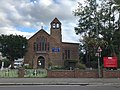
(12, 30)
(37, 13)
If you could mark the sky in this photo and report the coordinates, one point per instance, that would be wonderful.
(26, 17)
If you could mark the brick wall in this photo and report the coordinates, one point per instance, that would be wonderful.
(72, 74)
(86, 74)
(111, 73)
(83, 74)
(60, 74)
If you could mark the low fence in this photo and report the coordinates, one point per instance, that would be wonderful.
(9, 73)
(83, 73)
(27, 73)
(40, 73)
(35, 73)
(72, 74)
(111, 73)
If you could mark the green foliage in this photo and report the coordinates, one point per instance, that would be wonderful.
(80, 66)
(117, 2)
(13, 46)
(26, 66)
(98, 26)
(57, 67)
(50, 63)
(119, 60)
(87, 18)
(6, 62)
(70, 64)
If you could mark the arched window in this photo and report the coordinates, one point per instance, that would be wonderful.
(41, 44)
(55, 25)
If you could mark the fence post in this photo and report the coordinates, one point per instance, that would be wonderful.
(21, 72)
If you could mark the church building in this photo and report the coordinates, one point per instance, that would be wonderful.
(45, 49)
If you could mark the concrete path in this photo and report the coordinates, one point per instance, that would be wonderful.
(59, 81)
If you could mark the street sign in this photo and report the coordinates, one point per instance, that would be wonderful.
(99, 49)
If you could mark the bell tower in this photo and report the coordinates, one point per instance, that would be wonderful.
(55, 30)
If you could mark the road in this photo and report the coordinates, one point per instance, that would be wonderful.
(58, 87)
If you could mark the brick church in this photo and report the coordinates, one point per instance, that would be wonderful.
(44, 48)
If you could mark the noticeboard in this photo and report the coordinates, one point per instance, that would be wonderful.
(55, 49)
(111, 62)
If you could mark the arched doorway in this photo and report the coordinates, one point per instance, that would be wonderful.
(41, 62)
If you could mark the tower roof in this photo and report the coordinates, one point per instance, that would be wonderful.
(55, 21)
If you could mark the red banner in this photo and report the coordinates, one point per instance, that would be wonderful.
(110, 62)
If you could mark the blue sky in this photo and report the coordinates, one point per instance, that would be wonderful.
(25, 17)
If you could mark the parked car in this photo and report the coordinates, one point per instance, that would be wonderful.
(18, 63)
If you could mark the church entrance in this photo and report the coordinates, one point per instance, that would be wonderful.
(41, 62)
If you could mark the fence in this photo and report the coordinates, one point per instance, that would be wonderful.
(9, 73)
(35, 73)
(40, 73)
(28, 73)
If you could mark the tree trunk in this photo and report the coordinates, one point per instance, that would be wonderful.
(12, 64)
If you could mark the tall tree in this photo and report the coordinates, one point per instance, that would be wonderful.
(97, 26)
(117, 36)
(13, 47)
(117, 2)
(88, 28)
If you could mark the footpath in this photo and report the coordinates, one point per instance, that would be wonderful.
(60, 81)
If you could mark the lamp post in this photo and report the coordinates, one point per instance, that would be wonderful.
(99, 55)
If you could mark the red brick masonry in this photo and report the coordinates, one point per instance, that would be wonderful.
(82, 74)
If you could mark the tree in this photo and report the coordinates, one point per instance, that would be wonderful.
(87, 28)
(117, 2)
(13, 47)
(97, 26)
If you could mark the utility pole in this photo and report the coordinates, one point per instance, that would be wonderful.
(99, 55)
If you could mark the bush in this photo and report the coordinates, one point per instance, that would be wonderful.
(70, 64)
(80, 66)
(57, 67)
(6, 62)
(26, 66)
(50, 63)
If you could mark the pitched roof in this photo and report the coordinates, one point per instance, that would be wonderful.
(41, 30)
(55, 21)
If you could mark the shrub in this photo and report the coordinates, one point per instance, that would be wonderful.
(57, 67)
(80, 66)
(26, 66)
(6, 62)
(50, 63)
(70, 64)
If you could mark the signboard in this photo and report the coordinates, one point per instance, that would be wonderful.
(55, 49)
(110, 62)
